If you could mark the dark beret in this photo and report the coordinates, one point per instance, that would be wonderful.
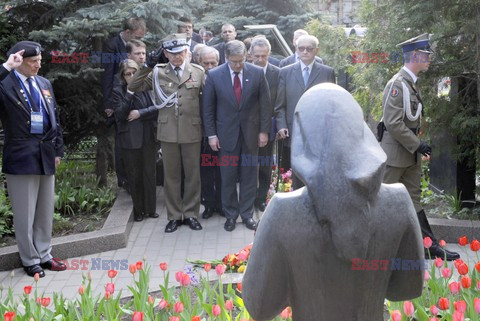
(31, 48)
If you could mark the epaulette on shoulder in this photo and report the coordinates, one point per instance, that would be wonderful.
(161, 65)
(197, 66)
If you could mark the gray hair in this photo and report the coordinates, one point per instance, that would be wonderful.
(260, 41)
(234, 48)
(208, 50)
(312, 39)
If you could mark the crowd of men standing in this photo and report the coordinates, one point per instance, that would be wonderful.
(214, 105)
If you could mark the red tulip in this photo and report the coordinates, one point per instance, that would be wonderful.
(460, 306)
(27, 289)
(478, 285)
(178, 307)
(112, 274)
(454, 287)
(475, 245)
(137, 316)
(476, 305)
(457, 316)
(228, 305)
(174, 318)
(178, 276)
(162, 304)
(9, 316)
(110, 287)
(443, 303)
(427, 242)
(463, 240)
(477, 267)
(216, 310)
(185, 279)
(207, 267)
(466, 282)
(242, 255)
(107, 295)
(286, 313)
(81, 290)
(442, 243)
(426, 275)
(196, 318)
(434, 309)
(36, 277)
(438, 262)
(462, 269)
(45, 302)
(132, 268)
(139, 265)
(151, 300)
(446, 273)
(457, 263)
(408, 308)
(163, 266)
(239, 286)
(220, 269)
(433, 319)
(396, 315)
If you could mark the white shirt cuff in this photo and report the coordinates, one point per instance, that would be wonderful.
(7, 67)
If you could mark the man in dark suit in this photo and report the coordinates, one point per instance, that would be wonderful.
(185, 25)
(32, 151)
(260, 54)
(290, 60)
(228, 34)
(115, 52)
(294, 80)
(237, 120)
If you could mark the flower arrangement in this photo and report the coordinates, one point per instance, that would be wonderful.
(281, 182)
(212, 301)
(446, 296)
(235, 263)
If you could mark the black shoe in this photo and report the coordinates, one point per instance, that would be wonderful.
(437, 251)
(250, 223)
(229, 225)
(153, 215)
(207, 213)
(138, 217)
(261, 207)
(193, 223)
(34, 269)
(172, 226)
(54, 265)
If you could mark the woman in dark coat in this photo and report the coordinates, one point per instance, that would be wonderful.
(136, 134)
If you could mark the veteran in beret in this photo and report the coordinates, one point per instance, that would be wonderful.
(177, 86)
(32, 151)
(402, 115)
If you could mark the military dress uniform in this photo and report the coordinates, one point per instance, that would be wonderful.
(402, 113)
(179, 130)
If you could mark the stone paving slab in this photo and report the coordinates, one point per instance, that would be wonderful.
(146, 240)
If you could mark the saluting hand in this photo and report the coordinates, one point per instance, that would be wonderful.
(15, 59)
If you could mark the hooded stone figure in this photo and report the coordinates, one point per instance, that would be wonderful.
(336, 248)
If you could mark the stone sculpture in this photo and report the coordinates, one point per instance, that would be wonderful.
(336, 248)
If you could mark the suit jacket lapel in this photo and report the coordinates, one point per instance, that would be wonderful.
(227, 80)
(187, 72)
(20, 97)
(313, 74)
(171, 74)
(246, 80)
(47, 97)
(297, 73)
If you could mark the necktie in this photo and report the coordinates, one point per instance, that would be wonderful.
(306, 74)
(177, 71)
(37, 102)
(237, 87)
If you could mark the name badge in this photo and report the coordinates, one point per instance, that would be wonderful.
(36, 122)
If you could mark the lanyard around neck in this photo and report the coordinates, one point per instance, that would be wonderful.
(31, 94)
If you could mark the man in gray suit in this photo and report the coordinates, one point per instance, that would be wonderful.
(237, 120)
(290, 60)
(294, 80)
(260, 50)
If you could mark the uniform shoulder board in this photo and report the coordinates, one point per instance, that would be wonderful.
(163, 65)
(197, 66)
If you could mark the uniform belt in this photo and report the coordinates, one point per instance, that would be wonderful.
(414, 130)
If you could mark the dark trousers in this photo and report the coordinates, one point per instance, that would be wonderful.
(243, 172)
(141, 165)
(264, 172)
(119, 164)
(210, 178)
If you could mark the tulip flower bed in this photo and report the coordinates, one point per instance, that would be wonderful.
(234, 262)
(204, 301)
(445, 297)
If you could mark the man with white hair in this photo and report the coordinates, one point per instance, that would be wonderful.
(296, 55)
(294, 80)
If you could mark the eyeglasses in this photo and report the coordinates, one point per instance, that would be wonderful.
(128, 74)
(308, 49)
(236, 63)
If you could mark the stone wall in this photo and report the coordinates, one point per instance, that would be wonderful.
(340, 12)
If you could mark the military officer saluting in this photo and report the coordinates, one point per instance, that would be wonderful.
(176, 87)
(402, 113)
